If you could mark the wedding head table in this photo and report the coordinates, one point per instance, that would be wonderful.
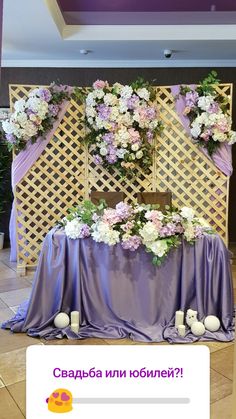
(121, 294)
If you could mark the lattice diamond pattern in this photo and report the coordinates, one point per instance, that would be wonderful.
(65, 171)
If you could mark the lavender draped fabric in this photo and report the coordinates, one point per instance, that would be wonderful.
(121, 294)
(20, 166)
(222, 158)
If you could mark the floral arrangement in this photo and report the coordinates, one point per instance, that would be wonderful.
(135, 225)
(34, 116)
(210, 123)
(122, 122)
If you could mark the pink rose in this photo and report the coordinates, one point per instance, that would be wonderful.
(186, 110)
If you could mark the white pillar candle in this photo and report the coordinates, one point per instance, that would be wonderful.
(179, 318)
(181, 330)
(74, 327)
(74, 317)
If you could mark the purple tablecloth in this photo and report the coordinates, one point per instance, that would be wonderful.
(121, 294)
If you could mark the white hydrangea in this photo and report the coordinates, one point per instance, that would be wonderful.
(34, 92)
(103, 233)
(158, 247)
(20, 105)
(143, 93)
(203, 222)
(114, 113)
(110, 99)
(90, 112)
(99, 123)
(8, 127)
(204, 102)
(232, 136)
(73, 228)
(189, 232)
(90, 101)
(195, 130)
(187, 213)
(123, 134)
(22, 119)
(118, 87)
(219, 136)
(98, 93)
(149, 232)
(122, 107)
(126, 119)
(121, 153)
(30, 129)
(126, 92)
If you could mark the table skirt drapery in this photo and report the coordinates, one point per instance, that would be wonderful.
(120, 293)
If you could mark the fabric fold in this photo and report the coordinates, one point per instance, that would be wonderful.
(222, 157)
(121, 294)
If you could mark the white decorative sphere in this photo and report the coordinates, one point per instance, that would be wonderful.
(212, 323)
(198, 329)
(61, 320)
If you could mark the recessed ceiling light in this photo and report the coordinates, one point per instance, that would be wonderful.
(84, 51)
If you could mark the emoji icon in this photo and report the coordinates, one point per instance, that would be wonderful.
(60, 401)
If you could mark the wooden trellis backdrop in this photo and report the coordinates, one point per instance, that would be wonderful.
(65, 172)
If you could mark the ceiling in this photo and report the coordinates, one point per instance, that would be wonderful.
(119, 33)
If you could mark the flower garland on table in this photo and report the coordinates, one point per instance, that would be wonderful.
(207, 110)
(34, 116)
(122, 122)
(135, 225)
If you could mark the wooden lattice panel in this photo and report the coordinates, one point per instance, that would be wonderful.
(65, 171)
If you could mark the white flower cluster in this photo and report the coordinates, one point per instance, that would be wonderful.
(212, 122)
(103, 232)
(73, 228)
(27, 117)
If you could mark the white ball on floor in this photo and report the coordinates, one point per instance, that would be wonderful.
(198, 329)
(61, 320)
(212, 323)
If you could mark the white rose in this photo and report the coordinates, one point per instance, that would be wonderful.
(103, 151)
(139, 154)
(135, 147)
